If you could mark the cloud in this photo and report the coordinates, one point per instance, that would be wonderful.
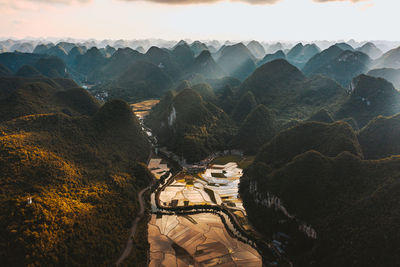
(188, 2)
(33, 4)
(21, 4)
(254, 2)
(326, 1)
(58, 1)
(11, 6)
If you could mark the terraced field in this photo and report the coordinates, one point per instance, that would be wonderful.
(143, 108)
(196, 240)
(200, 239)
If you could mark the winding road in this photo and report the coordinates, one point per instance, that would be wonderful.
(129, 243)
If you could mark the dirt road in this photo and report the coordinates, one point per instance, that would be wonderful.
(129, 243)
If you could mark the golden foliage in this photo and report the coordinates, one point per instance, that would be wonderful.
(83, 191)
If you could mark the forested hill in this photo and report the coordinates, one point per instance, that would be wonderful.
(70, 168)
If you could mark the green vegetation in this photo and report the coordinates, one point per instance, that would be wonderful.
(205, 65)
(258, 128)
(183, 55)
(300, 54)
(226, 159)
(318, 172)
(163, 58)
(322, 116)
(352, 122)
(242, 161)
(68, 179)
(243, 108)
(391, 75)
(237, 61)
(139, 255)
(256, 49)
(52, 67)
(206, 92)
(57, 51)
(371, 50)
(321, 59)
(271, 57)
(28, 71)
(328, 139)
(119, 63)
(14, 61)
(89, 63)
(190, 126)
(389, 60)
(141, 81)
(350, 202)
(370, 97)
(282, 88)
(21, 97)
(198, 47)
(246, 162)
(4, 71)
(345, 66)
(271, 80)
(380, 138)
(71, 166)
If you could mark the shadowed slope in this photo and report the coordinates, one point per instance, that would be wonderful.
(190, 126)
(369, 98)
(380, 137)
(328, 139)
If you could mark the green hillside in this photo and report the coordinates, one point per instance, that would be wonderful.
(205, 65)
(69, 173)
(284, 89)
(189, 126)
(237, 61)
(369, 98)
(142, 80)
(380, 137)
(328, 139)
(391, 75)
(351, 203)
(390, 59)
(258, 128)
(271, 57)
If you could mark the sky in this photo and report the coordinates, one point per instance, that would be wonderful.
(263, 20)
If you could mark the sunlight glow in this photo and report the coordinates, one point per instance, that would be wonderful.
(285, 20)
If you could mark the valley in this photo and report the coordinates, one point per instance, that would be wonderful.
(199, 153)
(199, 230)
(142, 109)
(197, 217)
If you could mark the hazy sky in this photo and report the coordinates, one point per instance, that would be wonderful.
(202, 19)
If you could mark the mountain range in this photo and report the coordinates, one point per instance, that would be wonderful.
(317, 124)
